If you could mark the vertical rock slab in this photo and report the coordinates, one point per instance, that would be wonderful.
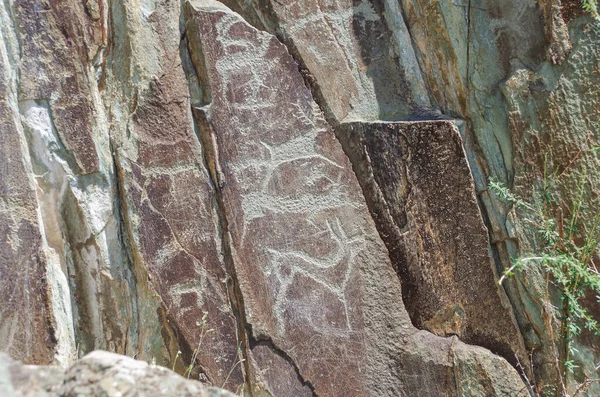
(181, 256)
(27, 329)
(298, 229)
(554, 115)
(59, 40)
(444, 69)
(419, 187)
(167, 196)
(26, 321)
(311, 271)
(59, 55)
(357, 55)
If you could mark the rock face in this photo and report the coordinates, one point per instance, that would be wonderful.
(169, 205)
(99, 373)
(520, 74)
(279, 198)
(419, 186)
(369, 54)
(281, 172)
(27, 328)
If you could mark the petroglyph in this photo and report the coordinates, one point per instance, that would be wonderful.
(358, 78)
(156, 166)
(287, 264)
(299, 229)
(169, 207)
(318, 290)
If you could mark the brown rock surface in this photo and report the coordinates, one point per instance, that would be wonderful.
(356, 54)
(26, 322)
(298, 230)
(169, 208)
(308, 261)
(419, 187)
(172, 180)
(58, 43)
(52, 60)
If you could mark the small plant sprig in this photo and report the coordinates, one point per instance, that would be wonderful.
(175, 361)
(239, 361)
(591, 6)
(204, 331)
(567, 253)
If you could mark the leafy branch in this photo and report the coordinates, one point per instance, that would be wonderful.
(567, 256)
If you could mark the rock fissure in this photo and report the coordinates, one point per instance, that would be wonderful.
(268, 342)
(206, 139)
(236, 298)
(124, 233)
(140, 278)
(399, 255)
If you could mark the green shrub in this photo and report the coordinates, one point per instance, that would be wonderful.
(567, 244)
(591, 6)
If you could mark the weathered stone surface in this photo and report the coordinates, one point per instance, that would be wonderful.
(169, 204)
(504, 53)
(357, 54)
(554, 120)
(123, 219)
(53, 55)
(18, 380)
(433, 366)
(59, 42)
(419, 187)
(557, 33)
(308, 261)
(285, 177)
(27, 330)
(99, 373)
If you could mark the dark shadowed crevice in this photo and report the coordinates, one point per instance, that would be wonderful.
(200, 100)
(236, 299)
(139, 275)
(390, 221)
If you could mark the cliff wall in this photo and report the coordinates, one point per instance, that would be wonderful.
(290, 198)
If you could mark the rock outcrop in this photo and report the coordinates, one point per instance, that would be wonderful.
(99, 373)
(284, 198)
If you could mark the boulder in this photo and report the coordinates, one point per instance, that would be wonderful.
(99, 373)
